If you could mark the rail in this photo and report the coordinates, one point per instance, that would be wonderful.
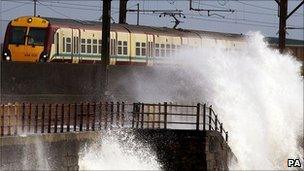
(27, 118)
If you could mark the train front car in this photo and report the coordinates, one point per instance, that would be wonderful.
(26, 40)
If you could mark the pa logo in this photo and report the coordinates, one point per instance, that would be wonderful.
(293, 163)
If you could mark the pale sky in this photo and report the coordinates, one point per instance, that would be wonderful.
(249, 15)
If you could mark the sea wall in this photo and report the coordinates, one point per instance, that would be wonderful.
(175, 149)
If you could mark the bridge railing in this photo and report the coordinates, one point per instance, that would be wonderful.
(176, 116)
(27, 118)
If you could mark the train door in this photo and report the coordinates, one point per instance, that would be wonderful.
(150, 49)
(75, 51)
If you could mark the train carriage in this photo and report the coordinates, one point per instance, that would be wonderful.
(38, 39)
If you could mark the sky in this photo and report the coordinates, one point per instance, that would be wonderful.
(248, 15)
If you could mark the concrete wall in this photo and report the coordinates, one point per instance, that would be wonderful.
(50, 82)
(175, 149)
(59, 152)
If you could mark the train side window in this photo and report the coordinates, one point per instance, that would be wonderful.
(156, 49)
(99, 46)
(125, 47)
(63, 44)
(143, 49)
(68, 45)
(119, 47)
(57, 43)
(83, 45)
(173, 49)
(137, 49)
(89, 46)
(95, 46)
(168, 50)
(162, 50)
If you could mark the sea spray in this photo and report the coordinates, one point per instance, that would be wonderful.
(34, 154)
(257, 92)
(117, 150)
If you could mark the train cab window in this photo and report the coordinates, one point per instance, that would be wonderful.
(95, 46)
(36, 36)
(68, 45)
(125, 47)
(83, 45)
(89, 46)
(17, 35)
(156, 49)
(99, 46)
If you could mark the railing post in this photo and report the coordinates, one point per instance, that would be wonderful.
(42, 123)
(9, 119)
(69, 118)
(112, 114)
(159, 114)
(106, 115)
(50, 118)
(123, 114)
(94, 116)
(227, 136)
(75, 117)
(16, 118)
(100, 115)
(210, 117)
(56, 118)
(165, 115)
(62, 118)
(118, 113)
(204, 117)
(88, 117)
(137, 114)
(198, 109)
(30, 117)
(81, 117)
(2, 120)
(133, 114)
(142, 115)
(216, 128)
(36, 119)
(23, 117)
(221, 127)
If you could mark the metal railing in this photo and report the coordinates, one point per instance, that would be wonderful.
(176, 116)
(58, 118)
(27, 118)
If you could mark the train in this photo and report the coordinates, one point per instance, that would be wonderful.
(44, 39)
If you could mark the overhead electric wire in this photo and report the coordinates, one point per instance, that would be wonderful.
(6, 10)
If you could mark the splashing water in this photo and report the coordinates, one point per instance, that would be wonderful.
(257, 92)
(117, 150)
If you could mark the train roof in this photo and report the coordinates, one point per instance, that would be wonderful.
(97, 25)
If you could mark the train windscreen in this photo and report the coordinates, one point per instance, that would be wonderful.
(17, 35)
(36, 36)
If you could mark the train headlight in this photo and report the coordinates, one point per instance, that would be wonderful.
(29, 20)
(43, 57)
(7, 55)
